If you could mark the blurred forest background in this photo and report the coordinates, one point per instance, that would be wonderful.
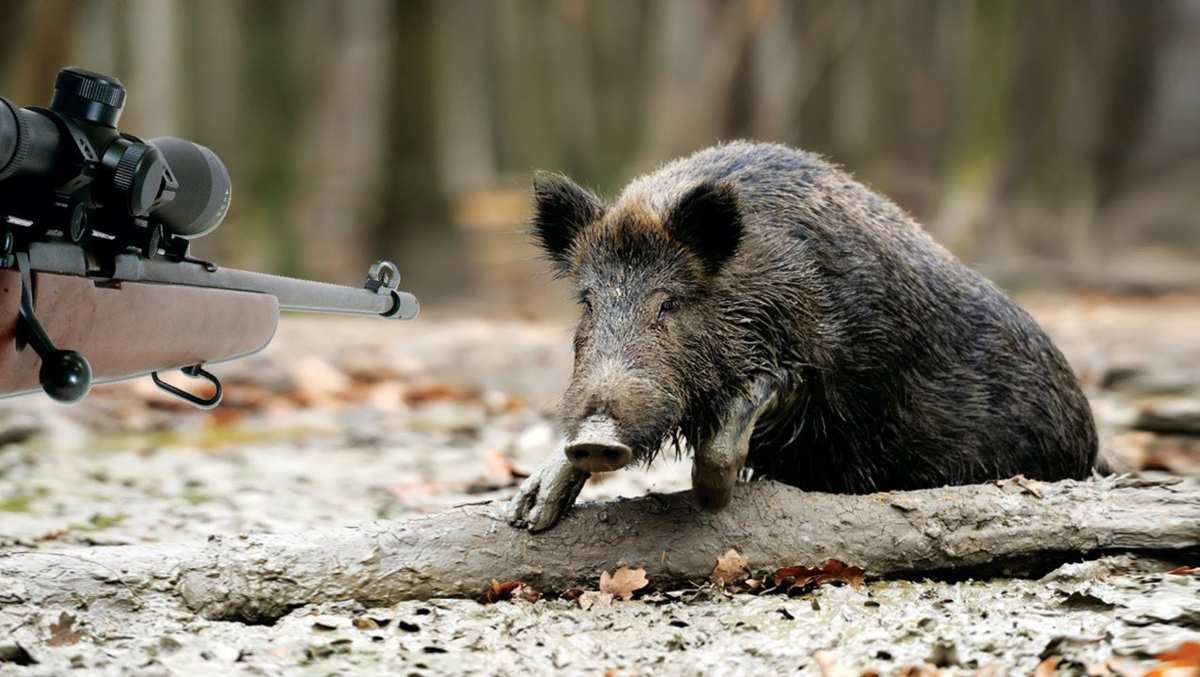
(1050, 144)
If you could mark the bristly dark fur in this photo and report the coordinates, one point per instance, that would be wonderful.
(895, 366)
(707, 221)
(561, 210)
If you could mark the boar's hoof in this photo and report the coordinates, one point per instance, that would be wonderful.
(713, 485)
(546, 495)
(713, 498)
(597, 448)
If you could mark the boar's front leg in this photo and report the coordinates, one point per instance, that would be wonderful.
(546, 494)
(719, 460)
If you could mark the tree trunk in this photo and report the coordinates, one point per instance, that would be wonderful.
(462, 95)
(342, 153)
(456, 553)
(153, 79)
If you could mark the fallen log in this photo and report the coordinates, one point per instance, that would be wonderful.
(259, 578)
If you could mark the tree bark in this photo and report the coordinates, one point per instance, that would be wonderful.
(342, 152)
(456, 553)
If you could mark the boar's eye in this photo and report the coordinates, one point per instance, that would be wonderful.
(667, 307)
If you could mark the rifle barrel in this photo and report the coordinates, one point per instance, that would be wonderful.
(293, 294)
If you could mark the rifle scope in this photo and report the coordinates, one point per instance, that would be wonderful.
(73, 151)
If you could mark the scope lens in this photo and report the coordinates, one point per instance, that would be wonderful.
(204, 192)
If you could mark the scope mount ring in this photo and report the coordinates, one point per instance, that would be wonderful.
(193, 371)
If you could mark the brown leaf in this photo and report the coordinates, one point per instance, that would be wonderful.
(1183, 661)
(571, 594)
(623, 582)
(797, 579)
(315, 381)
(501, 467)
(1030, 486)
(527, 593)
(828, 665)
(426, 394)
(1047, 667)
(1177, 454)
(730, 568)
(509, 591)
(63, 633)
(591, 598)
(1184, 571)
(922, 670)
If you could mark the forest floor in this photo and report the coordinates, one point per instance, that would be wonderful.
(347, 420)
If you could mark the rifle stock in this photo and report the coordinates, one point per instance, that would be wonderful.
(130, 329)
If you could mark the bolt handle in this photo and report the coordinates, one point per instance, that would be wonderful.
(65, 375)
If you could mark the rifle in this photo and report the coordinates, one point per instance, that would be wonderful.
(96, 280)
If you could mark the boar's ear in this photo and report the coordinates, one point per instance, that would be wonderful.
(707, 220)
(561, 209)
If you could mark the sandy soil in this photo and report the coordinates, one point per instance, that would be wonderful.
(342, 420)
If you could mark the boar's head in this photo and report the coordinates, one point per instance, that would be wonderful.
(652, 347)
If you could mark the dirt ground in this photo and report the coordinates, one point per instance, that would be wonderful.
(350, 420)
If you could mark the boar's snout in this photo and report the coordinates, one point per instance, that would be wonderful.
(596, 446)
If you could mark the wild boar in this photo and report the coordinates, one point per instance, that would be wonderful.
(758, 306)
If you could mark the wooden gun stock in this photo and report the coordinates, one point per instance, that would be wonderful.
(130, 329)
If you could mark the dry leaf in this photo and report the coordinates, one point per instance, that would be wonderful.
(1149, 451)
(1047, 667)
(571, 594)
(1183, 661)
(509, 590)
(364, 623)
(315, 380)
(731, 568)
(1030, 486)
(501, 467)
(923, 670)
(526, 592)
(427, 394)
(828, 664)
(797, 579)
(384, 396)
(591, 598)
(63, 633)
(623, 582)
(1184, 571)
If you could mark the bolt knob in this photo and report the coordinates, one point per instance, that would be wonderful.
(65, 376)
